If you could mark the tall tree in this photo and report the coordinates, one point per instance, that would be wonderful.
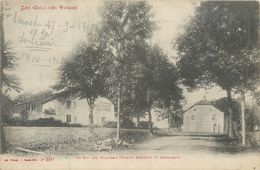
(83, 75)
(212, 43)
(158, 85)
(125, 26)
(7, 80)
(247, 67)
(2, 40)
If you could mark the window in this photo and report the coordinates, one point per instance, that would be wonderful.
(68, 118)
(192, 117)
(68, 104)
(33, 107)
(194, 109)
(103, 119)
(213, 117)
(49, 111)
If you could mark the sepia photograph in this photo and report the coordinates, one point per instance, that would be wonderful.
(129, 84)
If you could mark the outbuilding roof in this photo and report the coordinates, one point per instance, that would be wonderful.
(201, 102)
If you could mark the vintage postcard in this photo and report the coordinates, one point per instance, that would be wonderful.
(161, 84)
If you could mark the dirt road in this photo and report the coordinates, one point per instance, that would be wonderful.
(184, 144)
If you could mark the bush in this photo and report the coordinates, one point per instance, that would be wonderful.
(40, 122)
(134, 135)
(127, 123)
(14, 121)
(45, 122)
(144, 125)
(251, 139)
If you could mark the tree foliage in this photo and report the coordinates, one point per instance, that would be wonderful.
(83, 75)
(124, 30)
(10, 81)
(158, 83)
(210, 49)
(223, 105)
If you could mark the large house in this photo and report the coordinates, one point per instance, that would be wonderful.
(71, 110)
(203, 117)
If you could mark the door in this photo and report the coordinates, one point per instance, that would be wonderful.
(214, 128)
(68, 118)
(218, 128)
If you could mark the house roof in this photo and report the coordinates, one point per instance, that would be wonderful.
(201, 102)
(52, 97)
(42, 98)
(49, 97)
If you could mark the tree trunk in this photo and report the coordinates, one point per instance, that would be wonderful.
(2, 135)
(91, 114)
(150, 121)
(138, 120)
(230, 131)
(243, 118)
(169, 120)
(252, 126)
(118, 113)
(3, 148)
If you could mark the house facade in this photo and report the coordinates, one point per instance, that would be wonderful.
(203, 117)
(76, 111)
(72, 110)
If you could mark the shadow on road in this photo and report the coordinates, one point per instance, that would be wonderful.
(232, 146)
(195, 144)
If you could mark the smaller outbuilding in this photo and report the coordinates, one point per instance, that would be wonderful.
(203, 117)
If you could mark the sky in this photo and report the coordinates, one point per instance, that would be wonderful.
(43, 33)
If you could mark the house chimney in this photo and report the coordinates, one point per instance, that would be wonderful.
(204, 98)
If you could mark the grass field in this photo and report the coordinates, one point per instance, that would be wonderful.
(63, 140)
(56, 140)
